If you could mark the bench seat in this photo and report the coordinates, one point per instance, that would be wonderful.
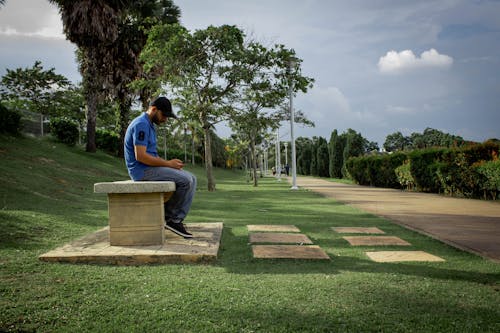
(136, 213)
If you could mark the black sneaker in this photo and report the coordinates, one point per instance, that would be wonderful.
(179, 229)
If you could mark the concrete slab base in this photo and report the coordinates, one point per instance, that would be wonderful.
(272, 228)
(358, 230)
(375, 240)
(95, 248)
(279, 238)
(398, 256)
(289, 252)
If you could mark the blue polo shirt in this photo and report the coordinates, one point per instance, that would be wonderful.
(140, 132)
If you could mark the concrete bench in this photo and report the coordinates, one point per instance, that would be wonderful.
(136, 214)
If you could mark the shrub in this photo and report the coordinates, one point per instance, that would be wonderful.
(65, 130)
(405, 178)
(491, 182)
(10, 121)
(376, 170)
(107, 140)
(424, 166)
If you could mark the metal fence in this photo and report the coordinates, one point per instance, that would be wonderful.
(32, 123)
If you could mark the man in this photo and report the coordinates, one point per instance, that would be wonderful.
(143, 163)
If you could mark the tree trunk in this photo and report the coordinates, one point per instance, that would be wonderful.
(208, 159)
(91, 121)
(124, 105)
(253, 161)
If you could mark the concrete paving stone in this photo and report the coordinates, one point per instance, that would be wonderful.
(272, 228)
(289, 252)
(95, 248)
(398, 256)
(279, 237)
(375, 240)
(358, 230)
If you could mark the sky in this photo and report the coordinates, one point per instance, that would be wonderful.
(380, 66)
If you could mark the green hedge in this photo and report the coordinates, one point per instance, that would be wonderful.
(376, 170)
(10, 121)
(65, 130)
(472, 171)
(107, 140)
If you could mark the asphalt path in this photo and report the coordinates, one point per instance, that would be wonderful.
(468, 224)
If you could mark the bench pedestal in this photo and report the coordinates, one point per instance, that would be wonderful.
(136, 212)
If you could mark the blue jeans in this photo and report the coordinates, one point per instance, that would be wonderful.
(179, 204)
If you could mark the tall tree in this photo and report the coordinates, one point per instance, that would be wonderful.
(34, 88)
(266, 86)
(126, 67)
(207, 64)
(322, 157)
(304, 155)
(336, 150)
(93, 25)
(354, 145)
(396, 141)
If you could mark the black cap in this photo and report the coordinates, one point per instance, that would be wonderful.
(163, 104)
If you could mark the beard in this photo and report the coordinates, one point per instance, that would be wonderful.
(156, 119)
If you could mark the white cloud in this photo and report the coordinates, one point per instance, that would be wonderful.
(399, 110)
(330, 98)
(397, 62)
(45, 32)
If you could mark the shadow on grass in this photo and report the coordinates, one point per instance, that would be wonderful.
(16, 233)
(236, 257)
(371, 314)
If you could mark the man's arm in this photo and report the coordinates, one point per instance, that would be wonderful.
(142, 156)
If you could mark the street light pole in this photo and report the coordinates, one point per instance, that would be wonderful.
(185, 143)
(291, 65)
(278, 155)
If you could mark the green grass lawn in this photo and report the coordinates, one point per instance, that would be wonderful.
(47, 200)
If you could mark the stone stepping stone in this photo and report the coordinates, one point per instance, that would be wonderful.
(289, 252)
(272, 228)
(276, 237)
(358, 230)
(398, 256)
(375, 240)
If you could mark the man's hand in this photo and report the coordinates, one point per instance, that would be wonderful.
(142, 156)
(176, 164)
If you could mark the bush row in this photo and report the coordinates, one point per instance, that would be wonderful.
(10, 121)
(472, 171)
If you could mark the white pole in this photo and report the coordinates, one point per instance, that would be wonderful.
(278, 157)
(185, 143)
(265, 160)
(292, 138)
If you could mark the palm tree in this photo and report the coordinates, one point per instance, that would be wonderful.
(111, 35)
(93, 25)
(132, 37)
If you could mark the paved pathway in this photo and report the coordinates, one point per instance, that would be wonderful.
(471, 225)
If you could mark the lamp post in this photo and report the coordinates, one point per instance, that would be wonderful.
(291, 65)
(185, 143)
(278, 155)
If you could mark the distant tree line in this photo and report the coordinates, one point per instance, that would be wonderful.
(429, 138)
(319, 157)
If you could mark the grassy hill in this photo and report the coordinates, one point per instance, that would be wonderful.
(47, 199)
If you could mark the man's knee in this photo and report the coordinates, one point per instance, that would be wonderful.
(187, 180)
